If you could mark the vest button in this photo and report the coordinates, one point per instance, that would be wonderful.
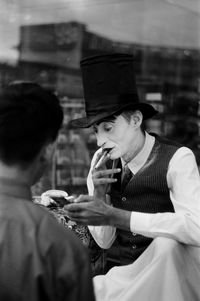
(134, 246)
(124, 199)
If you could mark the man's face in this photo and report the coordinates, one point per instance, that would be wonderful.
(119, 135)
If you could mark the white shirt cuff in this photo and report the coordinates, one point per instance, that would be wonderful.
(139, 222)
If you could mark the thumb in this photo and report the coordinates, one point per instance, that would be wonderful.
(82, 198)
(85, 198)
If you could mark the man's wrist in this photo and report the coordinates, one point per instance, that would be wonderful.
(119, 218)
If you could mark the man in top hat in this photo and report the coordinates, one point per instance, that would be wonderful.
(145, 187)
(39, 259)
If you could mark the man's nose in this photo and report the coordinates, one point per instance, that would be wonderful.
(101, 139)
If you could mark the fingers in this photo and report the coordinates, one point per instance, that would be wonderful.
(82, 199)
(101, 181)
(75, 213)
(73, 208)
(87, 210)
(77, 210)
(105, 176)
(98, 156)
(80, 203)
(101, 159)
(101, 173)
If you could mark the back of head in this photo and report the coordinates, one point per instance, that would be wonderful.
(30, 116)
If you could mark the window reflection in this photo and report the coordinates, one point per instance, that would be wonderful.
(45, 40)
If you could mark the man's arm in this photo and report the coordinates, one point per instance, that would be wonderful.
(89, 210)
(103, 235)
(184, 185)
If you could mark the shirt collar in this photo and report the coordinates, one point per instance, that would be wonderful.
(13, 188)
(140, 159)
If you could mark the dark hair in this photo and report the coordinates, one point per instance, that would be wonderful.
(30, 116)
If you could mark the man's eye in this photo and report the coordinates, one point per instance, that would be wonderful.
(107, 128)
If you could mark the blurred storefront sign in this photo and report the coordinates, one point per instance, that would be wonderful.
(69, 84)
(55, 44)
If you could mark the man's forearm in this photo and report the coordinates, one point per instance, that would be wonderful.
(119, 218)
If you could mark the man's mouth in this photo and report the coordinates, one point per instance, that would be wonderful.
(107, 150)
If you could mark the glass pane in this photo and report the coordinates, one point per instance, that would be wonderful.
(44, 40)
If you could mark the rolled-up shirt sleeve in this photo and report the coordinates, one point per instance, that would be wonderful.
(103, 235)
(184, 185)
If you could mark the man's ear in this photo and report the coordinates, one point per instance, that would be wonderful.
(137, 118)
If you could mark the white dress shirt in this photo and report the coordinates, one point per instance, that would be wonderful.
(183, 181)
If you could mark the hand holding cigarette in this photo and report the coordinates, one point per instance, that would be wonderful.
(103, 177)
(102, 159)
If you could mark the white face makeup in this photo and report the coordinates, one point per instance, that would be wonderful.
(122, 137)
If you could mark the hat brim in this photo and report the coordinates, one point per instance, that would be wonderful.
(146, 109)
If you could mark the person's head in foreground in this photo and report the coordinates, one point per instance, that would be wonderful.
(30, 118)
(39, 259)
(112, 104)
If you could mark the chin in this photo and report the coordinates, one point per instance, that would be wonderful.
(114, 156)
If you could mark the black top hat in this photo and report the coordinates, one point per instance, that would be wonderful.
(109, 88)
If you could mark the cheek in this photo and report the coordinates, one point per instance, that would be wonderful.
(125, 141)
(122, 140)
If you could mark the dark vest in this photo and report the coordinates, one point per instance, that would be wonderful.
(147, 192)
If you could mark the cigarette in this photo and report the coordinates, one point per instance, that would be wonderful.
(101, 159)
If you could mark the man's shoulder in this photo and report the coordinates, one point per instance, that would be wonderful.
(60, 242)
(48, 229)
(166, 141)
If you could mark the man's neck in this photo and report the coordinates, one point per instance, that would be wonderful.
(14, 173)
(138, 142)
